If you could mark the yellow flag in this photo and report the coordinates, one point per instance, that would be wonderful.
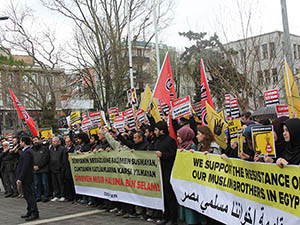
(217, 125)
(145, 102)
(292, 92)
(221, 114)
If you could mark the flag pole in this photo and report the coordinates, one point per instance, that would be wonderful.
(158, 77)
(289, 85)
(156, 37)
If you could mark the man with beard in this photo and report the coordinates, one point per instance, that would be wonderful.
(167, 148)
(41, 159)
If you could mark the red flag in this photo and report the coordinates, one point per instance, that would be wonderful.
(165, 88)
(205, 95)
(171, 128)
(23, 115)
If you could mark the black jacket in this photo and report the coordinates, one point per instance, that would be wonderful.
(8, 161)
(68, 172)
(25, 167)
(41, 157)
(85, 147)
(57, 159)
(130, 144)
(168, 147)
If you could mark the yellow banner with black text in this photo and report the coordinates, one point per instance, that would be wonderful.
(234, 191)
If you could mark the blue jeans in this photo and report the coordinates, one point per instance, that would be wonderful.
(39, 180)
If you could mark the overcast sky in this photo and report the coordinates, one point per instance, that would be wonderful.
(213, 16)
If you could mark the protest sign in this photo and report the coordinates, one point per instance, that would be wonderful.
(233, 127)
(45, 133)
(119, 123)
(94, 131)
(129, 118)
(271, 97)
(125, 176)
(181, 107)
(217, 126)
(95, 117)
(75, 117)
(197, 108)
(227, 106)
(263, 140)
(282, 110)
(86, 124)
(235, 191)
(141, 117)
(234, 108)
(164, 108)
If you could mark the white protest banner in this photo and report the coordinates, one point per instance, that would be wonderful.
(271, 97)
(86, 124)
(95, 117)
(181, 107)
(197, 108)
(129, 119)
(119, 123)
(282, 110)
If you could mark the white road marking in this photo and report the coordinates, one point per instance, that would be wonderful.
(63, 217)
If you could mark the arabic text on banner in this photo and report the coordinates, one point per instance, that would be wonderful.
(235, 191)
(132, 177)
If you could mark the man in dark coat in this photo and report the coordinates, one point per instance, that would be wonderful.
(41, 170)
(25, 178)
(166, 151)
(8, 160)
(70, 193)
(57, 165)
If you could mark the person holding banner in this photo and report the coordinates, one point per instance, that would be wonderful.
(206, 141)
(185, 136)
(291, 134)
(167, 148)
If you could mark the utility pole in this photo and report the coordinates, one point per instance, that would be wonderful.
(286, 35)
(156, 38)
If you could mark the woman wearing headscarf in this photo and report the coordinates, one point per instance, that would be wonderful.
(185, 136)
(291, 134)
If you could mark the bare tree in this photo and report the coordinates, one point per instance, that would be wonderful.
(40, 44)
(99, 49)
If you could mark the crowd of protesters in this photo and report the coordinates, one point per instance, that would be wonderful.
(53, 178)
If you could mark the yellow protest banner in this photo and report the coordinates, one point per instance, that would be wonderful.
(234, 191)
(94, 131)
(46, 133)
(217, 125)
(263, 140)
(233, 127)
(75, 117)
(145, 100)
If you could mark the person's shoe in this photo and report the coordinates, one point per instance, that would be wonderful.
(132, 215)
(46, 200)
(38, 200)
(171, 223)
(161, 222)
(20, 196)
(120, 213)
(8, 195)
(126, 215)
(61, 199)
(14, 195)
(55, 199)
(150, 219)
(32, 217)
(25, 216)
(114, 210)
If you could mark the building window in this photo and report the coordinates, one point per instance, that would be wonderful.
(298, 51)
(43, 80)
(265, 51)
(33, 77)
(139, 52)
(272, 50)
(10, 78)
(260, 79)
(256, 53)
(295, 51)
(275, 75)
(267, 76)
(242, 56)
